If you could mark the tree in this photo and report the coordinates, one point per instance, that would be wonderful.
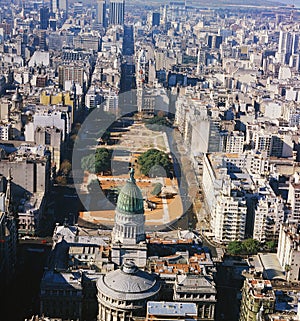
(157, 123)
(65, 167)
(61, 180)
(271, 245)
(98, 162)
(157, 189)
(251, 246)
(106, 136)
(157, 171)
(76, 128)
(235, 248)
(88, 163)
(154, 157)
(103, 159)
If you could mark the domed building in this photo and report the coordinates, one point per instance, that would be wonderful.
(124, 293)
(128, 236)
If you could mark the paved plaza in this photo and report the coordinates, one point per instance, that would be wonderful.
(135, 140)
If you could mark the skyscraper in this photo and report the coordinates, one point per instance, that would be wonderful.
(54, 5)
(287, 44)
(63, 5)
(116, 12)
(57, 5)
(101, 12)
(155, 19)
(44, 18)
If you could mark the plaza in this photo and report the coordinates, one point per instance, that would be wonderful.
(132, 142)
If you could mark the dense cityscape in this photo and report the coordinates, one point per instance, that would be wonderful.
(149, 160)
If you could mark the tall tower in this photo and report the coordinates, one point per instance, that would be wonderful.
(116, 12)
(54, 5)
(44, 18)
(101, 12)
(57, 5)
(285, 46)
(63, 5)
(128, 235)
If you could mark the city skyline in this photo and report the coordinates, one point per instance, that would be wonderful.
(149, 160)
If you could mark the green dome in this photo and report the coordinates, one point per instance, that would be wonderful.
(130, 200)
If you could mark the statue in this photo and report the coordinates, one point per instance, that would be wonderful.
(131, 173)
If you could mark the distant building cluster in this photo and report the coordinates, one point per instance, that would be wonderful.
(228, 79)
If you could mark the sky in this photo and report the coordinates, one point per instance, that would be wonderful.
(295, 2)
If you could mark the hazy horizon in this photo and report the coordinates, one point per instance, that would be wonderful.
(294, 2)
(241, 2)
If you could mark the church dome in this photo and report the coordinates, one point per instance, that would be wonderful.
(129, 283)
(130, 200)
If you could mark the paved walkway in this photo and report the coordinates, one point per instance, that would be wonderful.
(192, 182)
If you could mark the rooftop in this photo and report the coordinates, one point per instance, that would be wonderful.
(195, 283)
(171, 308)
(128, 283)
(292, 229)
(261, 288)
(55, 279)
(271, 266)
(163, 267)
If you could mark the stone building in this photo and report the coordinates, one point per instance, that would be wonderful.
(8, 238)
(123, 294)
(61, 294)
(8, 248)
(199, 289)
(17, 101)
(68, 287)
(114, 283)
(257, 297)
(128, 236)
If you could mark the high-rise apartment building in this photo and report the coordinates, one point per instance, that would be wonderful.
(268, 214)
(294, 197)
(288, 251)
(257, 296)
(229, 217)
(234, 142)
(72, 73)
(288, 45)
(226, 204)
